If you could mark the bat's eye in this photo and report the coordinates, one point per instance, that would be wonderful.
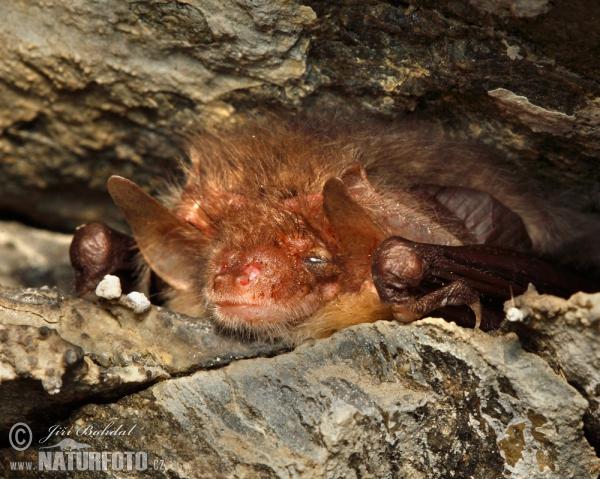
(314, 259)
(317, 257)
(320, 263)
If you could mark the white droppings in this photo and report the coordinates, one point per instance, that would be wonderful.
(109, 287)
(139, 301)
(514, 315)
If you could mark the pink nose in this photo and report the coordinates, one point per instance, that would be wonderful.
(247, 275)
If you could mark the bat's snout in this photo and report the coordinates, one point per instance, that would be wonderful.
(239, 278)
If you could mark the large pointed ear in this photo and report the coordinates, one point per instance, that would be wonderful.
(356, 179)
(166, 241)
(353, 228)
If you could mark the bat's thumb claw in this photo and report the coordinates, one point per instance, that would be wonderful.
(476, 308)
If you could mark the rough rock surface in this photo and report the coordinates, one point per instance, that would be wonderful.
(377, 401)
(89, 89)
(110, 80)
(426, 400)
(566, 333)
(32, 257)
(37, 353)
(58, 352)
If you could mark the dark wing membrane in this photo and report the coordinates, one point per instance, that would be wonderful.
(487, 219)
(502, 273)
(426, 278)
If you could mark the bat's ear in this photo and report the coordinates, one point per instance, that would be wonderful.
(356, 179)
(166, 242)
(355, 231)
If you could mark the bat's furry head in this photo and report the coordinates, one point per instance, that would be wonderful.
(250, 237)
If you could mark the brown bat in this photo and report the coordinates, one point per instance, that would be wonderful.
(295, 230)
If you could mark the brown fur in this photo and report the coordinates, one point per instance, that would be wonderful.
(292, 156)
(346, 310)
(256, 190)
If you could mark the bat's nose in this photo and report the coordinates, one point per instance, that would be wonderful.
(247, 275)
(242, 278)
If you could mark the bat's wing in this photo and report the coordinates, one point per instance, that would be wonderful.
(419, 278)
(499, 272)
(488, 220)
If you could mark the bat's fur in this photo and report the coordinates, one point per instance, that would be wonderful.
(237, 182)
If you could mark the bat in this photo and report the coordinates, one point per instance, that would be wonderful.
(295, 229)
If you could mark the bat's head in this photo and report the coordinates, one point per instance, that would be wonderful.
(266, 278)
(275, 260)
(261, 251)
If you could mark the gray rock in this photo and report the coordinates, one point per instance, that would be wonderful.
(566, 333)
(428, 400)
(34, 353)
(115, 82)
(96, 352)
(91, 89)
(383, 400)
(583, 124)
(33, 257)
(513, 8)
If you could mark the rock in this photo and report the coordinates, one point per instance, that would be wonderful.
(88, 92)
(36, 353)
(91, 90)
(584, 124)
(58, 352)
(381, 400)
(368, 401)
(33, 257)
(516, 8)
(566, 333)
(105, 83)
(109, 287)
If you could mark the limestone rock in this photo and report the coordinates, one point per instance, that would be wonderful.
(106, 81)
(91, 89)
(567, 334)
(33, 257)
(425, 400)
(516, 8)
(36, 353)
(57, 352)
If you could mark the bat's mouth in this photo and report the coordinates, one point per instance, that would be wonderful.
(267, 314)
(254, 314)
(249, 313)
(271, 317)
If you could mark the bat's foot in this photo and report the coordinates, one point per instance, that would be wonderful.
(457, 293)
(401, 268)
(98, 250)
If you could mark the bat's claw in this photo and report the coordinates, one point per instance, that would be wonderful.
(399, 269)
(407, 309)
(476, 308)
(404, 314)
